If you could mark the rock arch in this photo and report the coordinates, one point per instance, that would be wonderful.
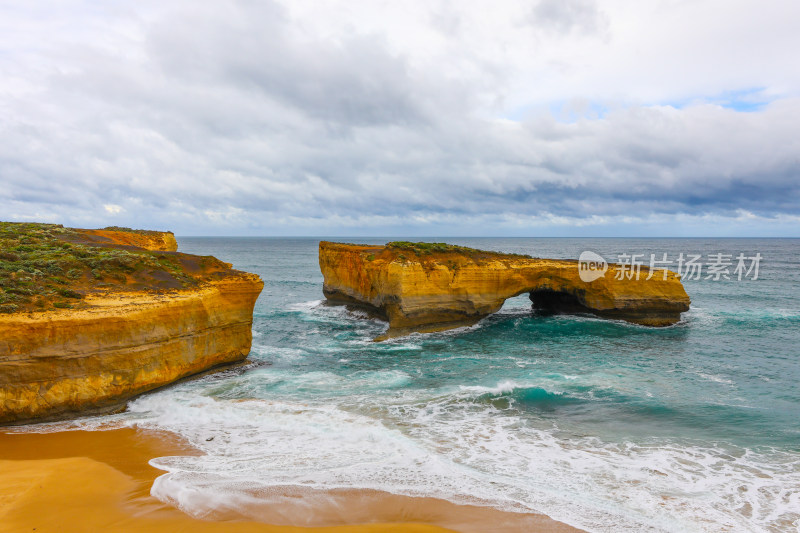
(433, 288)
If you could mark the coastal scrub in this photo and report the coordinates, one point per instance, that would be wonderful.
(47, 265)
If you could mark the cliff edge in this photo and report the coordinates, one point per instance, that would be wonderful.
(88, 319)
(423, 287)
(157, 241)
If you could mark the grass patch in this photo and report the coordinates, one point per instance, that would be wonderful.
(66, 293)
(38, 267)
(131, 230)
(428, 248)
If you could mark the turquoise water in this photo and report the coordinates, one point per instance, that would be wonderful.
(602, 424)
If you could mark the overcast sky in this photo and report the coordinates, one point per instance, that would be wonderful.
(415, 118)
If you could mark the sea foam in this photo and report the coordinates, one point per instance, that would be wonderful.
(439, 445)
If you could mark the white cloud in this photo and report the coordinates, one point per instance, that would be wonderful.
(361, 116)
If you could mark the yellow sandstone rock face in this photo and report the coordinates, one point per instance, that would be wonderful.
(66, 362)
(160, 241)
(424, 292)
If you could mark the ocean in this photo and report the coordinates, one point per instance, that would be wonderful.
(601, 424)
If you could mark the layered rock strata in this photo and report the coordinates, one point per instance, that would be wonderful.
(160, 241)
(122, 342)
(423, 291)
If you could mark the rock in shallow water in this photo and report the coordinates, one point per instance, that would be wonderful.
(426, 288)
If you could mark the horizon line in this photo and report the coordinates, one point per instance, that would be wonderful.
(327, 237)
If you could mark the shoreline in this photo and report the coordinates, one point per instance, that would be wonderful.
(100, 480)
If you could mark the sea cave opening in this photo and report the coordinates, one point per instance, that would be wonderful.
(548, 301)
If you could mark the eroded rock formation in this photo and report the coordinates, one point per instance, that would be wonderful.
(425, 290)
(161, 241)
(154, 327)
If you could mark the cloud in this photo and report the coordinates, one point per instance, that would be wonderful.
(312, 117)
(569, 16)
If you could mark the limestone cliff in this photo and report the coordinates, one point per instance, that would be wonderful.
(161, 241)
(136, 321)
(424, 290)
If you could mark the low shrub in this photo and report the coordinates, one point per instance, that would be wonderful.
(66, 293)
(427, 248)
(39, 262)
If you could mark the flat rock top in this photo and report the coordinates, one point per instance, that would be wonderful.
(161, 241)
(46, 267)
(432, 252)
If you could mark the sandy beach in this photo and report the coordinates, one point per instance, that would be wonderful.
(79, 481)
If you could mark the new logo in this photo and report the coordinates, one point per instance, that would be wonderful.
(591, 266)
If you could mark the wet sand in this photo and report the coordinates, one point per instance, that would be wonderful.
(79, 481)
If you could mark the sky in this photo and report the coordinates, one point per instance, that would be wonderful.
(416, 118)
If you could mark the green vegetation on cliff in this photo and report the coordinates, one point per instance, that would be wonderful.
(427, 248)
(131, 230)
(47, 265)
